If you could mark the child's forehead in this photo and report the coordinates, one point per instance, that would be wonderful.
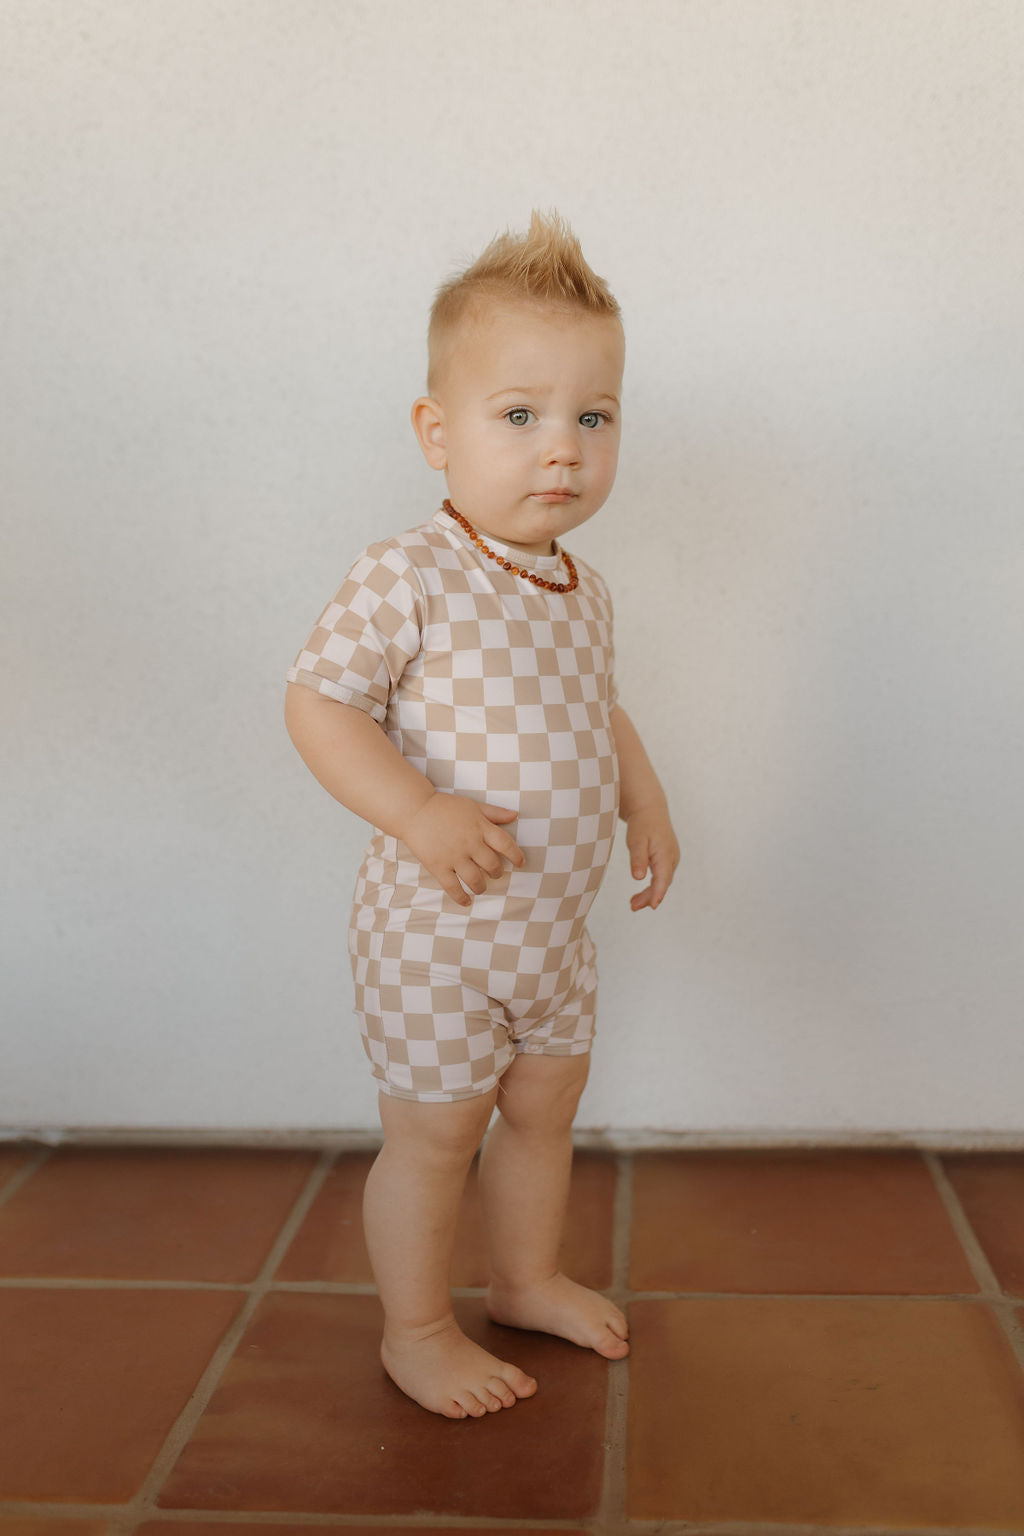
(534, 318)
(499, 334)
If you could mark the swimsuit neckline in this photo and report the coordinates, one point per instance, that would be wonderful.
(538, 563)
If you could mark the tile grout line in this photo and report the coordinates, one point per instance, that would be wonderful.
(981, 1269)
(991, 1297)
(1007, 1312)
(797, 1528)
(143, 1505)
(118, 1283)
(972, 1297)
(611, 1514)
(412, 1523)
(18, 1180)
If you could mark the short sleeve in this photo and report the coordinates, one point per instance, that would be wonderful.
(367, 634)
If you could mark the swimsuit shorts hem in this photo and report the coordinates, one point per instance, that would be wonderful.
(577, 1048)
(458, 1095)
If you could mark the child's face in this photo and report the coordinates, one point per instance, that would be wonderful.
(530, 404)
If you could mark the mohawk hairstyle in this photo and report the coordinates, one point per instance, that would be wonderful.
(546, 266)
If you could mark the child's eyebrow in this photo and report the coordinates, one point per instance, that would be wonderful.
(535, 389)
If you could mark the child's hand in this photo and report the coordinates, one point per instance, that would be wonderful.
(652, 845)
(460, 840)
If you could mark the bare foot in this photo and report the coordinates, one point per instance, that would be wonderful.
(442, 1370)
(561, 1306)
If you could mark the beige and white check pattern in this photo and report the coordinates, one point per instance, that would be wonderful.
(500, 691)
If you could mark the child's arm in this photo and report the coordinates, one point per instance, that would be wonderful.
(455, 838)
(642, 806)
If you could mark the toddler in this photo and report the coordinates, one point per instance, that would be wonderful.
(458, 694)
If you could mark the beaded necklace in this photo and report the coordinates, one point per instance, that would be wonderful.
(506, 565)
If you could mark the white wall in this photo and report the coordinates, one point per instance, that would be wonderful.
(223, 223)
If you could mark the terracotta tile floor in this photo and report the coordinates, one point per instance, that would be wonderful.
(822, 1341)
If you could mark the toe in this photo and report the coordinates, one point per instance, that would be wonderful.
(502, 1391)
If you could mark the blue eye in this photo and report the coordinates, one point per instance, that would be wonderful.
(517, 410)
(595, 416)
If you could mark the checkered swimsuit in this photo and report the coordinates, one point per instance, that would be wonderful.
(500, 691)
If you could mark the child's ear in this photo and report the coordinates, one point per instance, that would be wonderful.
(427, 418)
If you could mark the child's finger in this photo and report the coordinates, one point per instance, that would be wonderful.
(638, 859)
(490, 861)
(499, 813)
(451, 886)
(659, 878)
(662, 869)
(472, 877)
(503, 842)
(507, 846)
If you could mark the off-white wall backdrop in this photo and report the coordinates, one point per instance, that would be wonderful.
(223, 223)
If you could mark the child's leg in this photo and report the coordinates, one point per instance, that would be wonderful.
(410, 1211)
(524, 1182)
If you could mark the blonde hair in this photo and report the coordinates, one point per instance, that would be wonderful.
(544, 267)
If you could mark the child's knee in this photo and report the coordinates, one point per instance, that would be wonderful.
(442, 1132)
(542, 1092)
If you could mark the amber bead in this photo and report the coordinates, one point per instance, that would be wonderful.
(506, 565)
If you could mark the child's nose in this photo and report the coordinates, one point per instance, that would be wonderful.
(563, 446)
